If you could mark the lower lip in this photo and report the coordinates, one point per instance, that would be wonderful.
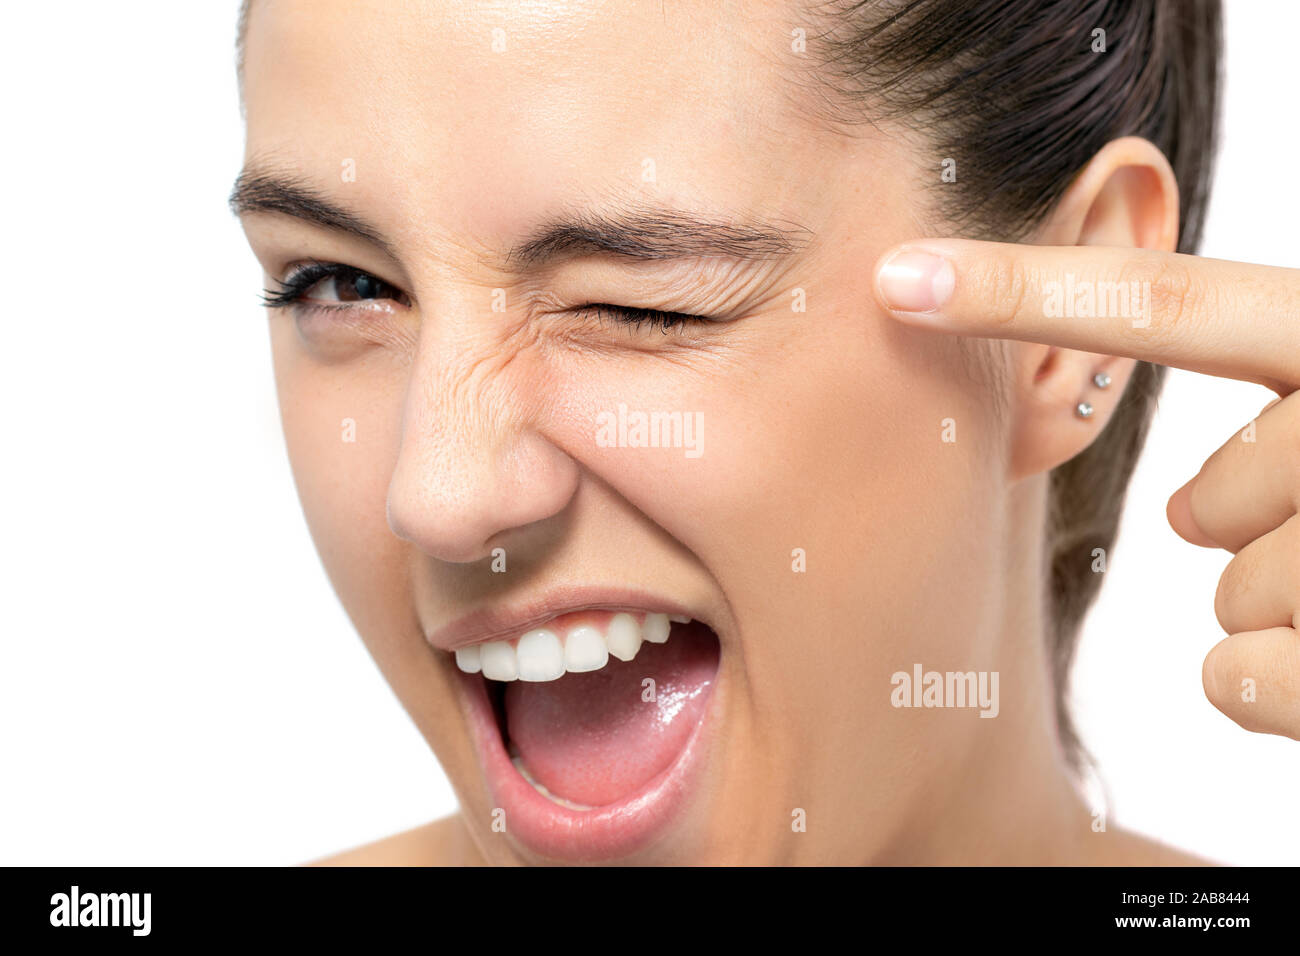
(556, 832)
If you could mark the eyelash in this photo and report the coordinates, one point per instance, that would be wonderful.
(300, 281)
(635, 317)
(295, 286)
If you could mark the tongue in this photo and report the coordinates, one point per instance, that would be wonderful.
(593, 738)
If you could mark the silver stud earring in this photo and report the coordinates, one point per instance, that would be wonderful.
(1101, 380)
(1083, 410)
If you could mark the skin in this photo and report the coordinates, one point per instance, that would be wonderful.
(1230, 319)
(473, 427)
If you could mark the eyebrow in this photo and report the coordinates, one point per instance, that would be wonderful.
(649, 232)
(260, 191)
(635, 232)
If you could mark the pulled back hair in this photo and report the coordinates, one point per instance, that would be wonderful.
(1020, 94)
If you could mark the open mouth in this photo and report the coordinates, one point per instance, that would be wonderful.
(587, 725)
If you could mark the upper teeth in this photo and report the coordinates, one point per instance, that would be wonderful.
(542, 655)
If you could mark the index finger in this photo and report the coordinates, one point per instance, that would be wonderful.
(1231, 319)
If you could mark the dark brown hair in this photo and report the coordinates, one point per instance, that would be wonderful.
(1021, 95)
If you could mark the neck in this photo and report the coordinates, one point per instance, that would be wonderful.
(1009, 797)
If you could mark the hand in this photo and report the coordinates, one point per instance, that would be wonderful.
(1222, 318)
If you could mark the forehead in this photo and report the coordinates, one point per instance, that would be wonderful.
(488, 111)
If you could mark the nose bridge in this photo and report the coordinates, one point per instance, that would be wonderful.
(472, 462)
(459, 391)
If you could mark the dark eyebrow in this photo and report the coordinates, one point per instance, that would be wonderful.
(653, 233)
(659, 233)
(261, 191)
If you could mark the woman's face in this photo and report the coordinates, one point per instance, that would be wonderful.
(464, 435)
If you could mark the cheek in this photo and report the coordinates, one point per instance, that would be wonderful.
(809, 433)
(826, 502)
(341, 427)
(821, 436)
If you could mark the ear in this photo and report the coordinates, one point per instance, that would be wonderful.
(1125, 196)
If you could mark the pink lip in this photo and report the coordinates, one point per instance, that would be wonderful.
(555, 832)
(497, 622)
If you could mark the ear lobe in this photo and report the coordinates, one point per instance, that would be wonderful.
(1051, 384)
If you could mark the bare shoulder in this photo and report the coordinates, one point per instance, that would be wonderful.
(442, 842)
(1126, 848)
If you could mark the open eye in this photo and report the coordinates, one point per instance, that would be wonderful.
(331, 284)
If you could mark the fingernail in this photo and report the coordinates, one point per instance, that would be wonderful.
(912, 281)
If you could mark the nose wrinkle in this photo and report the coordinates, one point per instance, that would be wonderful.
(472, 463)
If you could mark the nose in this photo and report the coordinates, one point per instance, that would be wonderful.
(472, 464)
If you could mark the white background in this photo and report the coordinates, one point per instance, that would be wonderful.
(178, 683)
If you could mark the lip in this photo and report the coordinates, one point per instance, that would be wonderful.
(537, 825)
(557, 833)
(504, 622)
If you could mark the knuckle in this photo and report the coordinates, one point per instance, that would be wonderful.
(1235, 586)
(1007, 285)
(1214, 673)
(1223, 597)
(1291, 537)
(1221, 675)
(1171, 291)
(1292, 431)
(1201, 500)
